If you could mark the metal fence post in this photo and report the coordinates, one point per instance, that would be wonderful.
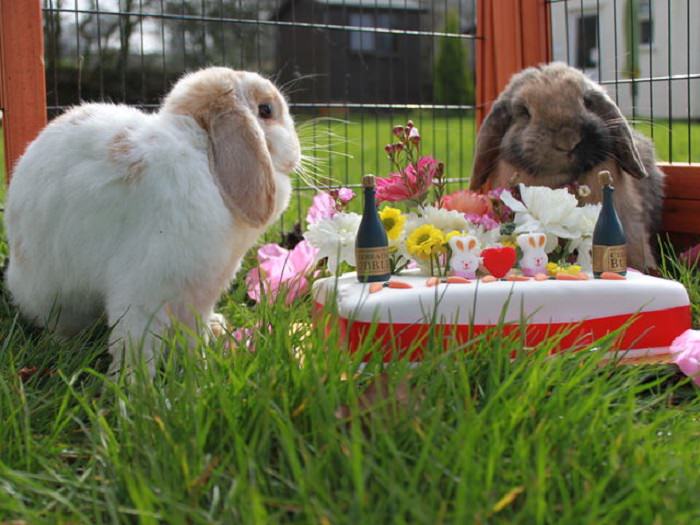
(512, 35)
(22, 81)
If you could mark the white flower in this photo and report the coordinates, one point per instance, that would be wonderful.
(335, 238)
(441, 218)
(554, 212)
(486, 238)
(588, 216)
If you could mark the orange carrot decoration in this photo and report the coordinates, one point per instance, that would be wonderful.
(456, 279)
(612, 276)
(399, 284)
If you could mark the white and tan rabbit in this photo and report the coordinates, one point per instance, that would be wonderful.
(145, 217)
(553, 126)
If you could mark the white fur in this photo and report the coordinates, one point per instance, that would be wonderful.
(465, 259)
(85, 240)
(534, 258)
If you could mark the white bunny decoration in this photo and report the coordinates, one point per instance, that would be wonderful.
(465, 260)
(534, 258)
(145, 217)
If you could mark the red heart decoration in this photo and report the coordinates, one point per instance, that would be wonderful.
(498, 261)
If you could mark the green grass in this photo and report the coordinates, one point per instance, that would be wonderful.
(239, 437)
(357, 148)
(222, 437)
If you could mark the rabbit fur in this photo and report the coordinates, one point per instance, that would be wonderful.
(553, 126)
(146, 217)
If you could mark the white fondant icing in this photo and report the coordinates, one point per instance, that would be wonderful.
(549, 301)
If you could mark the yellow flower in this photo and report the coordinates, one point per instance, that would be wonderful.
(508, 242)
(453, 233)
(552, 268)
(425, 241)
(572, 269)
(393, 221)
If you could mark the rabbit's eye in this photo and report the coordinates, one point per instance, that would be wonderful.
(588, 100)
(265, 111)
(521, 111)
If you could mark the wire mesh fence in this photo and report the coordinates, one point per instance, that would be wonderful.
(645, 54)
(353, 68)
(350, 68)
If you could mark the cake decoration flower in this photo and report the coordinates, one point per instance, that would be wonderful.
(334, 238)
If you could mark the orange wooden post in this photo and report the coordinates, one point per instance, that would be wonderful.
(22, 81)
(682, 204)
(513, 34)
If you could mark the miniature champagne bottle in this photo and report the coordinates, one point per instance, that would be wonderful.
(609, 242)
(371, 244)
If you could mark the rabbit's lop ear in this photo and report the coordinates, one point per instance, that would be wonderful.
(522, 241)
(242, 165)
(488, 143)
(457, 244)
(624, 148)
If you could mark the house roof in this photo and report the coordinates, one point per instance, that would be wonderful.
(406, 5)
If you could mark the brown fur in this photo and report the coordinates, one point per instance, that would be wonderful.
(221, 104)
(552, 126)
(122, 151)
(18, 254)
(75, 115)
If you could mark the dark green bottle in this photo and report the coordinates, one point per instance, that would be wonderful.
(609, 242)
(371, 244)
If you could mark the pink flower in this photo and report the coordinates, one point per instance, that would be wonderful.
(345, 195)
(322, 207)
(686, 350)
(468, 202)
(414, 136)
(411, 184)
(281, 270)
(326, 205)
(487, 221)
(244, 337)
(691, 257)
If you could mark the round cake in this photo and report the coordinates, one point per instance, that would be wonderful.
(651, 311)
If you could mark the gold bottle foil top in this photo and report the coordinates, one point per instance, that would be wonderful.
(368, 181)
(605, 178)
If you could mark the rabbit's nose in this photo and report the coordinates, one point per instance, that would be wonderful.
(566, 139)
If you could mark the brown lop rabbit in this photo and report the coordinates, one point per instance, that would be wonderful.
(553, 126)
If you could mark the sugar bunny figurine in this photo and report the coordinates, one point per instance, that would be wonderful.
(534, 258)
(465, 260)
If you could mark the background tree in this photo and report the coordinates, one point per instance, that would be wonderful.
(632, 38)
(453, 77)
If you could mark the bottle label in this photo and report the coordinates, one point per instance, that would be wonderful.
(372, 261)
(609, 258)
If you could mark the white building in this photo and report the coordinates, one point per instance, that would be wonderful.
(590, 34)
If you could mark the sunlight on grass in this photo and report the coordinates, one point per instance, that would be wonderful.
(347, 150)
(238, 437)
(224, 436)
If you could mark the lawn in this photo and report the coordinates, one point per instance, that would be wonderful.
(357, 147)
(227, 436)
